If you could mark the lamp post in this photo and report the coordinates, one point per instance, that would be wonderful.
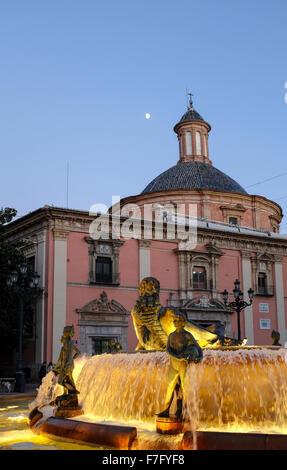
(21, 288)
(238, 304)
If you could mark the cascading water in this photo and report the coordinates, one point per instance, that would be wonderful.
(241, 389)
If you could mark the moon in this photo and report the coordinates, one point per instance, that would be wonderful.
(147, 115)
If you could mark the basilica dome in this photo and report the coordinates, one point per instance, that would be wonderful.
(193, 175)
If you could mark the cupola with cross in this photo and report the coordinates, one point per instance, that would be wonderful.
(192, 131)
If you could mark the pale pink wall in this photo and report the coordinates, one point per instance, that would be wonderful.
(216, 213)
(164, 264)
(77, 258)
(264, 221)
(264, 336)
(129, 263)
(247, 219)
(229, 269)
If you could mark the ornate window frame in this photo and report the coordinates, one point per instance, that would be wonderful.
(263, 263)
(233, 211)
(102, 318)
(188, 260)
(104, 249)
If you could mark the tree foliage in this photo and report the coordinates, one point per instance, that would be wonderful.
(11, 256)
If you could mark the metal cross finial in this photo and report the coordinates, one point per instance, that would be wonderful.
(190, 100)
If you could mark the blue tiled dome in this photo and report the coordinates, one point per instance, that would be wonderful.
(193, 175)
(191, 115)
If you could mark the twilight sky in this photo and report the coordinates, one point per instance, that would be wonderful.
(78, 77)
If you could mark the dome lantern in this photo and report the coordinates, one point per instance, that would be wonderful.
(192, 132)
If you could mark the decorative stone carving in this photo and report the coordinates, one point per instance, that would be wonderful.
(204, 302)
(232, 210)
(105, 319)
(102, 305)
(60, 234)
(112, 252)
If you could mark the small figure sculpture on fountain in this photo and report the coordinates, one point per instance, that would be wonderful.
(114, 347)
(275, 335)
(67, 404)
(182, 349)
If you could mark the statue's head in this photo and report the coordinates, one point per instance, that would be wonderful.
(68, 332)
(275, 335)
(178, 321)
(149, 286)
(149, 292)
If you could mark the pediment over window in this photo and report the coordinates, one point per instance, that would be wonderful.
(232, 213)
(213, 249)
(204, 302)
(103, 305)
(265, 257)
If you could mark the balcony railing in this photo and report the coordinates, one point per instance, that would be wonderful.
(264, 291)
(206, 285)
(106, 279)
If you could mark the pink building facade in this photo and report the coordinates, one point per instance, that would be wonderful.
(90, 265)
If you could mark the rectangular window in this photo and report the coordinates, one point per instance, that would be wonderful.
(233, 220)
(265, 324)
(262, 285)
(104, 270)
(263, 307)
(199, 278)
(101, 345)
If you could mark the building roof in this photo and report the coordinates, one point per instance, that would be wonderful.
(193, 175)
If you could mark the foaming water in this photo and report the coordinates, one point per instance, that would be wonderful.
(239, 390)
(242, 389)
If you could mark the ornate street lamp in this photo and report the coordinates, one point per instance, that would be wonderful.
(238, 304)
(21, 288)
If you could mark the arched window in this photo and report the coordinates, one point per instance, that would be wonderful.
(198, 143)
(204, 152)
(180, 147)
(188, 144)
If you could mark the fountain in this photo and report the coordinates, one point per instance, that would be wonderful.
(235, 397)
(239, 390)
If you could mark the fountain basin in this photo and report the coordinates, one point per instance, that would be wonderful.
(210, 440)
(118, 437)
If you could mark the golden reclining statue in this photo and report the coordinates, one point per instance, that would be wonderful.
(153, 323)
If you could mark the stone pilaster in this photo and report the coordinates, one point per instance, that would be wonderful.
(279, 289)
(60, 289)
(40, 309)
(144, 259)
(247, 283)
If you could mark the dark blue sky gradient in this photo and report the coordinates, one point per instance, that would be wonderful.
(77, 78)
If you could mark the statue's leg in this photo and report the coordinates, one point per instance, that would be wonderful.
(172, 381)
(179, 397)
(182, 374)
(70, 384)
